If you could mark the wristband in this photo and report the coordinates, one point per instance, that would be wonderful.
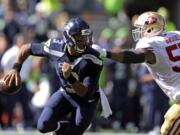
(17, 66)
(108, 54)
(71, 79)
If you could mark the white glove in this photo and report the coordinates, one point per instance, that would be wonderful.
(102, 51)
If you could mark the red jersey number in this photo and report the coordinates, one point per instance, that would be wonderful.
(172, 57)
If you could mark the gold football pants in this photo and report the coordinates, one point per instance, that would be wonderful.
(171, 125)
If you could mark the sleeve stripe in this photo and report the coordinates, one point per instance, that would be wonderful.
(53, 52)
(93, 58)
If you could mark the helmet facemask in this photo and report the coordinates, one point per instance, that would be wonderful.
(79, 41)
(82, 40)
(138, 32)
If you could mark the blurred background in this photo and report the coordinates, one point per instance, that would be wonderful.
(138, 104)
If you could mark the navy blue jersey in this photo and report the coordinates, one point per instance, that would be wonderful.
(86, 67)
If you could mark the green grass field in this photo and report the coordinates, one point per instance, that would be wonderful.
(37, 133)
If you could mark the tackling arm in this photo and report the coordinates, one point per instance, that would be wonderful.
(133, 56)
(128, 56)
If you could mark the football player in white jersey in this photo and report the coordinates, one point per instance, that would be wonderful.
(160, 51)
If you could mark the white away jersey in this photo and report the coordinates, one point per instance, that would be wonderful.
(166, 71)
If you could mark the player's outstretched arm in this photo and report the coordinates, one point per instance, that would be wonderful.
(25, 51)
(128, 56)
(132, 56)
(13, 74)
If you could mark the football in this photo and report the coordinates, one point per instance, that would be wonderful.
(9, 89)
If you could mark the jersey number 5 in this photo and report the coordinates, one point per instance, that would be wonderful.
(172, 57)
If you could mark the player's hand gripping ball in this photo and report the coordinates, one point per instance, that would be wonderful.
(9, 89)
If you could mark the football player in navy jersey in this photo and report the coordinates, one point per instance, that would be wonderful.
(78, 67)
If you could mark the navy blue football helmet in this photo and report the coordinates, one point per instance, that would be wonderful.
(77, 34)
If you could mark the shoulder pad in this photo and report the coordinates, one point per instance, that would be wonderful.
(47, 43)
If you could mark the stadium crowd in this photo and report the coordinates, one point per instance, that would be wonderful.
(137, 102)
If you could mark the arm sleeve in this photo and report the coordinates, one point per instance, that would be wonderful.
(138, 55)
(128, 56)
(135, 56)
(39, 49)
